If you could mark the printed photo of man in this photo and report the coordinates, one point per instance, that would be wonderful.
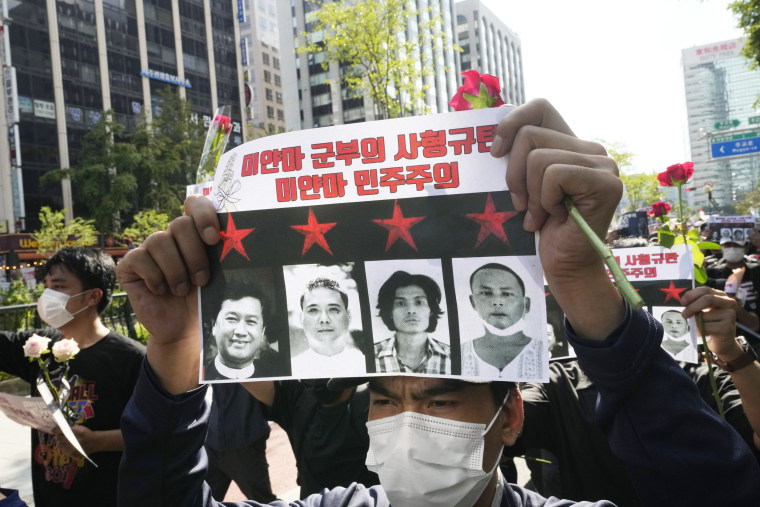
(238, 334)
(678, 339)
(410, 308)
(325, 321)
(509, 346)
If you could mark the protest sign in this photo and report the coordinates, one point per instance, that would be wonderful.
(317, 227)
(738, 229)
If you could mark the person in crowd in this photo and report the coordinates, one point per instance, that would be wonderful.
(239, 333)
(237, 443)
(326, 429)
(410, 306)
(739, 278)
(79, 284)
(439, 441)
(325, 319)
(559, 415)
(504, 350)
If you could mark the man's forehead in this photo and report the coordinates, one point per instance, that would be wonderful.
(247, 303)
(58, 273)
(490, 277)
(322, 295)
(419, 387)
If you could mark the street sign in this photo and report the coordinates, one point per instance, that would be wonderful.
(745, 143)
(726, 124)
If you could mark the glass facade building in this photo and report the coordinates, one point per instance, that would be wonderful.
(317, 92)
(490, 47)
(723, 122)
(75, 59)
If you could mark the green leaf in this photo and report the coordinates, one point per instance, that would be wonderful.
(693, 234)
(708, 245)
(699, 257)
(700, 274)
(665, 238)
(678, 240)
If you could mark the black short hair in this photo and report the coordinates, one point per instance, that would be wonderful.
(387, 295)
(501, 267)
(498, 389)
(325, 283)
(662, 316)
(94, 268)
(235, 290)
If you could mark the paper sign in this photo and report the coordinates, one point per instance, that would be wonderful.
(387, 247)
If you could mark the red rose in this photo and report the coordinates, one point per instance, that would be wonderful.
(676, 175)
(223, 124)
(480, 91)
(659, 209)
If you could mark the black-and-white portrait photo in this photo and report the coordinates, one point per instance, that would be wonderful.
(238, 341)
(680, 335)
(326, 338)
(503, 335)
(725, 233)
(409, 325)
(739, 235)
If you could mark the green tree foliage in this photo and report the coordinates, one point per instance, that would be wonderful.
(54, 234)
(750, 203)
(747, 14)
(146, 223)
(641, 190)
(170, 150)
(104, 173)
(369, 41)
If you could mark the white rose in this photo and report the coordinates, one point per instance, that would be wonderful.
(36, 345)
(64, 350)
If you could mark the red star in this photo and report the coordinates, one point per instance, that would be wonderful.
(398, 227)
(314, 232)
(491, 222)
(673, 292)
(232, 239)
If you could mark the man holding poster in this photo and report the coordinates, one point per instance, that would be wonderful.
(645, 398)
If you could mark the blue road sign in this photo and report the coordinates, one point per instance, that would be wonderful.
(736, 147)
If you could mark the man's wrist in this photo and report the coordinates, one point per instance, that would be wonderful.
(746, 356)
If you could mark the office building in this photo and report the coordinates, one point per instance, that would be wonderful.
(723, 123)
(490, 47)
(262, 68)
(73, 59)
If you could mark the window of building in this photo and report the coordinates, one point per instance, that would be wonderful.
(277, 80)
(268, 92)
(275, 62)
(270, 112)
(267, 76)
(280, 115)
(279, 97)
(265, 58)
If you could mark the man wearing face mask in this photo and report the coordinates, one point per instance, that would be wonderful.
(438, 441)
(738, 277)
(504, 350)
(78, 286)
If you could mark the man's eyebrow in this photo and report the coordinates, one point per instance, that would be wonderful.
(445, 387)
(377, 387)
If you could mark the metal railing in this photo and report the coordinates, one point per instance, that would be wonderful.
(118, 316)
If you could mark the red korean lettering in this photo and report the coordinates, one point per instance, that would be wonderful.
(392, 177)
(347, 152)
(650, 272)
(269, 157)
(418, 175)
(366, 178)
(308, 184)
(637, 272)
(333, 185)
(462, 146)
(322, 160)
(250, 165)
(292, 159)
(630, 260)
(485, 135)
(446, 175)
(373, 150)
(643, 259)
(433, 143)
(657, 258)
(404, 152)
(671, 258)
(287, 189)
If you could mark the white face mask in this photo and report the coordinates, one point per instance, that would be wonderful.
(52, 308)
(424, 460)
(733, 254)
